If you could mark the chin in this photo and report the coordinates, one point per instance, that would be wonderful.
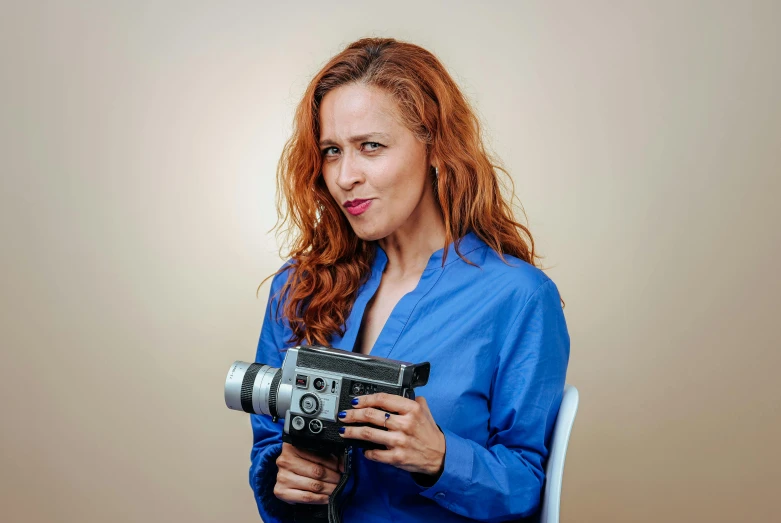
(369, 237)
(370, 234)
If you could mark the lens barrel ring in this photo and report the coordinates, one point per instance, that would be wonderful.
(246, 387)
(272, 395)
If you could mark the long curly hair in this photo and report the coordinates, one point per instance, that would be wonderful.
(329, 262)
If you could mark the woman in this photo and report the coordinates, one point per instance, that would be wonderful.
(405, 248)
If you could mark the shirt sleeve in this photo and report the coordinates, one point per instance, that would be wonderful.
(503, 480)
(267, 436)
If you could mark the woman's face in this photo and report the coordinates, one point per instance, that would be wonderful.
(374, 167)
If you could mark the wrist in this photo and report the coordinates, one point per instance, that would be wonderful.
(439, 464)
(433, 472)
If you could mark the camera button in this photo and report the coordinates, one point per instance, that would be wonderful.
(298, 423)
(301, 381)
(315, 426)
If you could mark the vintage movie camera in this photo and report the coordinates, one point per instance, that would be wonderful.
(313, 385)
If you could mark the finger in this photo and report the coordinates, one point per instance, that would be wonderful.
(300, 496)
(383, 456)
(368, 415)
(291, 480)
(386, 402)
(308, 469)
(367, 433)
(324, 459)
(420, 400)
(329, 461)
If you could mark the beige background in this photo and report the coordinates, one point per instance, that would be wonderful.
(139, 141)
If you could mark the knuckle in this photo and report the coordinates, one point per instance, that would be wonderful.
(316, 486)
(393, 458)
(283, 477)
(366, 432)
(318, 471)
(309, 497)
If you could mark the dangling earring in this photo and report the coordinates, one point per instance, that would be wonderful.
(436, 172)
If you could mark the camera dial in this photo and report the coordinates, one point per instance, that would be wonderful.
(309, 404)
(315, 426)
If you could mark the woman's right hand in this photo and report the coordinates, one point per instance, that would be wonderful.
(305, 477)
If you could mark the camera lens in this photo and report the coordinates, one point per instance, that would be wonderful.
(253, 388)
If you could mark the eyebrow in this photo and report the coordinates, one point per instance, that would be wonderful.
(359, 138)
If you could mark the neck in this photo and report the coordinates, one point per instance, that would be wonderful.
(410, 247)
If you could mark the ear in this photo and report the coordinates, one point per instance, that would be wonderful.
(433, 161)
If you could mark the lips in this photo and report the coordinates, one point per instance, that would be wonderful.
(356, 207)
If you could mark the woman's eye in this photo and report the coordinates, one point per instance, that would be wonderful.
(371, 146)
(330, 151)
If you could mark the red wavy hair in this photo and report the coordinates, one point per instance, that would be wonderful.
(329, 261)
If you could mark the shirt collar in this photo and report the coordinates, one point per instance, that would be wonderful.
(469, 242)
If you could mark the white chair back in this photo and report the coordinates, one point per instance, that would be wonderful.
(554, 468)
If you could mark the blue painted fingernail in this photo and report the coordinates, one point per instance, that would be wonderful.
(342, 414)
(355, 401)
(341, 430)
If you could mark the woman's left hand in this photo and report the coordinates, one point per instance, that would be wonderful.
(414, 441)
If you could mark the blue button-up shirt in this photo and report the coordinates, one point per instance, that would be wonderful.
(497, 341)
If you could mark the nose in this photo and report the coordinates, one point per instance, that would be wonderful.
(349, 172)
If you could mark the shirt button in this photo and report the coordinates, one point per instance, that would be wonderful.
(439, 495)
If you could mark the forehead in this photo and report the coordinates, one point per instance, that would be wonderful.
(355, 109)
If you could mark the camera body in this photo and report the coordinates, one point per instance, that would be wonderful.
(313, 385)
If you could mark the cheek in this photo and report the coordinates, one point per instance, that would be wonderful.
(398, 176)
(330, 182)
(404, 183)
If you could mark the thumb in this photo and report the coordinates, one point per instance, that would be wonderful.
(420, 400)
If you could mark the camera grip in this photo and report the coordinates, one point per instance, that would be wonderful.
(310, 513)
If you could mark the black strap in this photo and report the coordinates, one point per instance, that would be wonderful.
(335, 505)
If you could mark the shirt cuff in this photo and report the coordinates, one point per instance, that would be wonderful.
(456, 475)
(262, 478)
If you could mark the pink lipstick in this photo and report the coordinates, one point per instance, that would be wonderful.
(356, 207)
